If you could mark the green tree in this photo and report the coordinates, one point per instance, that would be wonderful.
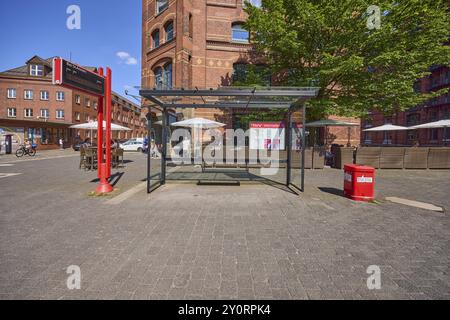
(357, 68)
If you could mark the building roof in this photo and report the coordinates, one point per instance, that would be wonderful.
(22, 71)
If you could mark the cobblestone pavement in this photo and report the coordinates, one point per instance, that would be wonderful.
(206, 242)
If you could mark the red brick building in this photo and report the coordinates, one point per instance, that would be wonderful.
(33, 108)
(189, 44)
(434, 110)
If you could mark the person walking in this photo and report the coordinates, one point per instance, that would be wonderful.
(61, 144)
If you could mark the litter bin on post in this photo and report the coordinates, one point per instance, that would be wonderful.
(359, 182)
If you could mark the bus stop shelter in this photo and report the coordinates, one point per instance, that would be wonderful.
(289, 99)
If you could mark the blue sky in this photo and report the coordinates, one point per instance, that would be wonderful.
(110, 35)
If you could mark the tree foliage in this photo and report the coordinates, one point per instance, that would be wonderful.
(357, 69)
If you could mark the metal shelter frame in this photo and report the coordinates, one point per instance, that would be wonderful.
(224, 98)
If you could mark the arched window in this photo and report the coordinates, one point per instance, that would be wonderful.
(163, 76)
(155, 39)
(169, 31)
(239, 34)
(168, 75)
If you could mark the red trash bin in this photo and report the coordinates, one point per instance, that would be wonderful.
(359, 182)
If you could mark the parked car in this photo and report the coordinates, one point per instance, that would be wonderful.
(133, 145)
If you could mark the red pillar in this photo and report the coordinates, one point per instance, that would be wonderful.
(104, 168)
(108, 119)
(100, 131)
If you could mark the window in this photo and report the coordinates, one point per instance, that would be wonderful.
(12, 112)
(77, 99)
(59, 114)
(28, 94)
(28, 113)
(255, 3)
(434, 134)
(95, 105)
(161, 5)
(413, 119)
(36, 70)
(45, 114)
(163, 77)
(11, 93)
(60, 96)
(191, 26)
(77, 116)
(155, 39)
(239, 34)
(88, 102)
(44, 95)
(412, 135)
(169, 31)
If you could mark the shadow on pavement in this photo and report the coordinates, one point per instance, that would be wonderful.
(334, 191)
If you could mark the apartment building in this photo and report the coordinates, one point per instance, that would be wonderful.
(434, 110)
(31, 107)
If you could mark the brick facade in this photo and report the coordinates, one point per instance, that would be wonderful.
(434, 110)
(75, 107)
(202, 52)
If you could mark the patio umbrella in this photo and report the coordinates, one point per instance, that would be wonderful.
(332, 123)
(387, 127)
(94, 126)
(434, 125)
(198, 124)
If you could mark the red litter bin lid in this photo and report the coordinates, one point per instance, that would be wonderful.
(355, 167)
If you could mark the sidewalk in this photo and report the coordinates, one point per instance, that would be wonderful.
(40, 155)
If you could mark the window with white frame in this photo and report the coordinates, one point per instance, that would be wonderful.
(36, 70)
(28, 113)
(12, 112)
(77, 99)
(239, 34)
(44, 95)
(45, 114)
(161, 5)
(60, 96)
(59, 114)
(28, 94)
(95, 105)
(88, 102)
(12, 93)
(77, 116)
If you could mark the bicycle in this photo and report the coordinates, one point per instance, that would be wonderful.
(23, 150)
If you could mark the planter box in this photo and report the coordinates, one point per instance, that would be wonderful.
(439, 158)
(392, 158)
(369, 156)
(343, 156)
(416, 158)
(297, 159)
(319, 158)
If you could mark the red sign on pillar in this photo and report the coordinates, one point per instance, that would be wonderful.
(70, 75)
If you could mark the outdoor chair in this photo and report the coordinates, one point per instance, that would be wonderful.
(117, 158)
(82, 158)
(90, 157)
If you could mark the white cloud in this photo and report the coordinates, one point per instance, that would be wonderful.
(126, 58)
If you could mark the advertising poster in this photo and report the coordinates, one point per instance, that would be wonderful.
(272, 136)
